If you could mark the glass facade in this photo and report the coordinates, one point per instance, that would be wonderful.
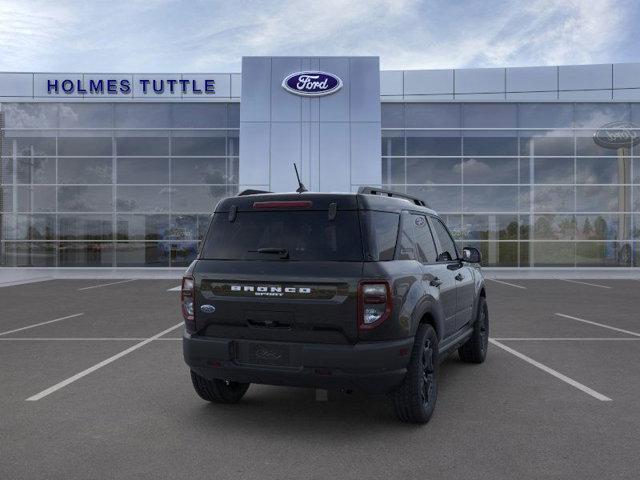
(524, 182)
(112, 184)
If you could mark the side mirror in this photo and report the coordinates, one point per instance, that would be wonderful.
(471, 255)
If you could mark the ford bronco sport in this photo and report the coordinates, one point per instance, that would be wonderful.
(363, 291)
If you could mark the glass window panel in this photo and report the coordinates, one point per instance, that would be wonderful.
(554, 227)
(233, 143)
(447, 247)
(85, 170)
(426, 247)
(393, 170)
(6, 199)
(434, 170)
(200, 170)
(432, 115)
(604, 227)
(489, 145)
(41, 254)
(233, 111)
(454, 224)
(30, 115)
(600, 199)
(143, 199)
(636, 227)
(553, 170)
(142, 227)
(183, 253)
(142, 146)
(85, 227)
(142, 254)
(203, 225)
(490, 170)
(84, 115)
(91, 146)
(85, 199)
(433, 143)
(490, 227)
(525, 227)
(585, 145)
(196, 199)
(598, 114)
(524, 198)
(601, 170)
(553, 254)
(554, 199)
(80, 254)
(37, 199)
(603, 254)
(6, 170)
(183, 227)
(392, 115)
(141, 115)
(36, 169)
(636, 253)
(212, 144)
(490, 199)
(392, 143)
(30, 146)
(35, 227)
(199, 115)
(8, 227)
(142, 170)
(526, 251)
(545, 115)
(490, 115)
(636, 171)
(233, 172)
(497, 254)
(441, 199)
(546, 144)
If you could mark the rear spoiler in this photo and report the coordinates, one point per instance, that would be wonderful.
(391, 193)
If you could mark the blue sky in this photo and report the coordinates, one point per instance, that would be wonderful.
(212, 36)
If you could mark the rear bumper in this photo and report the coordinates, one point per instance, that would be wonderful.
(373, 367)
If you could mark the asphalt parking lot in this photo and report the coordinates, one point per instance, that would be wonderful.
(93, 385)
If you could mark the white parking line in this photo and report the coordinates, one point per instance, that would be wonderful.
(175, 289)
(507, 283)
(97, 366)
(85, 339)
(629, 332)
(41, 323)
(106, 284)
(551, 339)
(551, 371)
(584, 283)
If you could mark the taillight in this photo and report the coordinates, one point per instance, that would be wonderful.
(374, 304)
(186, 298)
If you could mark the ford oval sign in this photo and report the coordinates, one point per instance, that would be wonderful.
(617, 135)
(312, 84)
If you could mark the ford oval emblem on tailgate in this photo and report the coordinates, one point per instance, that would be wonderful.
(207, 308)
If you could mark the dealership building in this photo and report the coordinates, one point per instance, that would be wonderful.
(535, 166)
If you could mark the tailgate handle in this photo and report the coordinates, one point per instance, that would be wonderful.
(268, 323)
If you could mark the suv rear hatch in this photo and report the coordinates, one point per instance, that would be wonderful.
(281, 268)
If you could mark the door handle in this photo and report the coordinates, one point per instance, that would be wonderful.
(435, 282)
(459, 277)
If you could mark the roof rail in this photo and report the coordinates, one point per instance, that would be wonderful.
(391, 193)
(250, 191)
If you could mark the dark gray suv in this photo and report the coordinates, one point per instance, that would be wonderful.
(363, 291)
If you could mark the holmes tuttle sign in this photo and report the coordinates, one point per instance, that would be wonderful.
(312, 83)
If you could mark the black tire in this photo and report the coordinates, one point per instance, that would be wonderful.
(475, 349)
(415, 399)
(218, 391)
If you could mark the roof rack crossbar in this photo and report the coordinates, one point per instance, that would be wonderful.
(391, 193)
(250, 191)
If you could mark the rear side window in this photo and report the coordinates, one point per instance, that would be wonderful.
(424, 241)
(447, 250)
(382, 232)
(305, 235)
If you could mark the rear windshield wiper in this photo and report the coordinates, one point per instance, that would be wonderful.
(283, 252)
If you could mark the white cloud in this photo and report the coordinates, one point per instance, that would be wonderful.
(163, 35)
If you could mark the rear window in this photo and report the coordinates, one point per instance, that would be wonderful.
(382, 232)
(305, 235)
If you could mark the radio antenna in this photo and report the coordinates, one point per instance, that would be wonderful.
(301, 188)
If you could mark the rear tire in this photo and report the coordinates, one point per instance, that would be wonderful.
(475, 349)
(218, 391)
(415, 399)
